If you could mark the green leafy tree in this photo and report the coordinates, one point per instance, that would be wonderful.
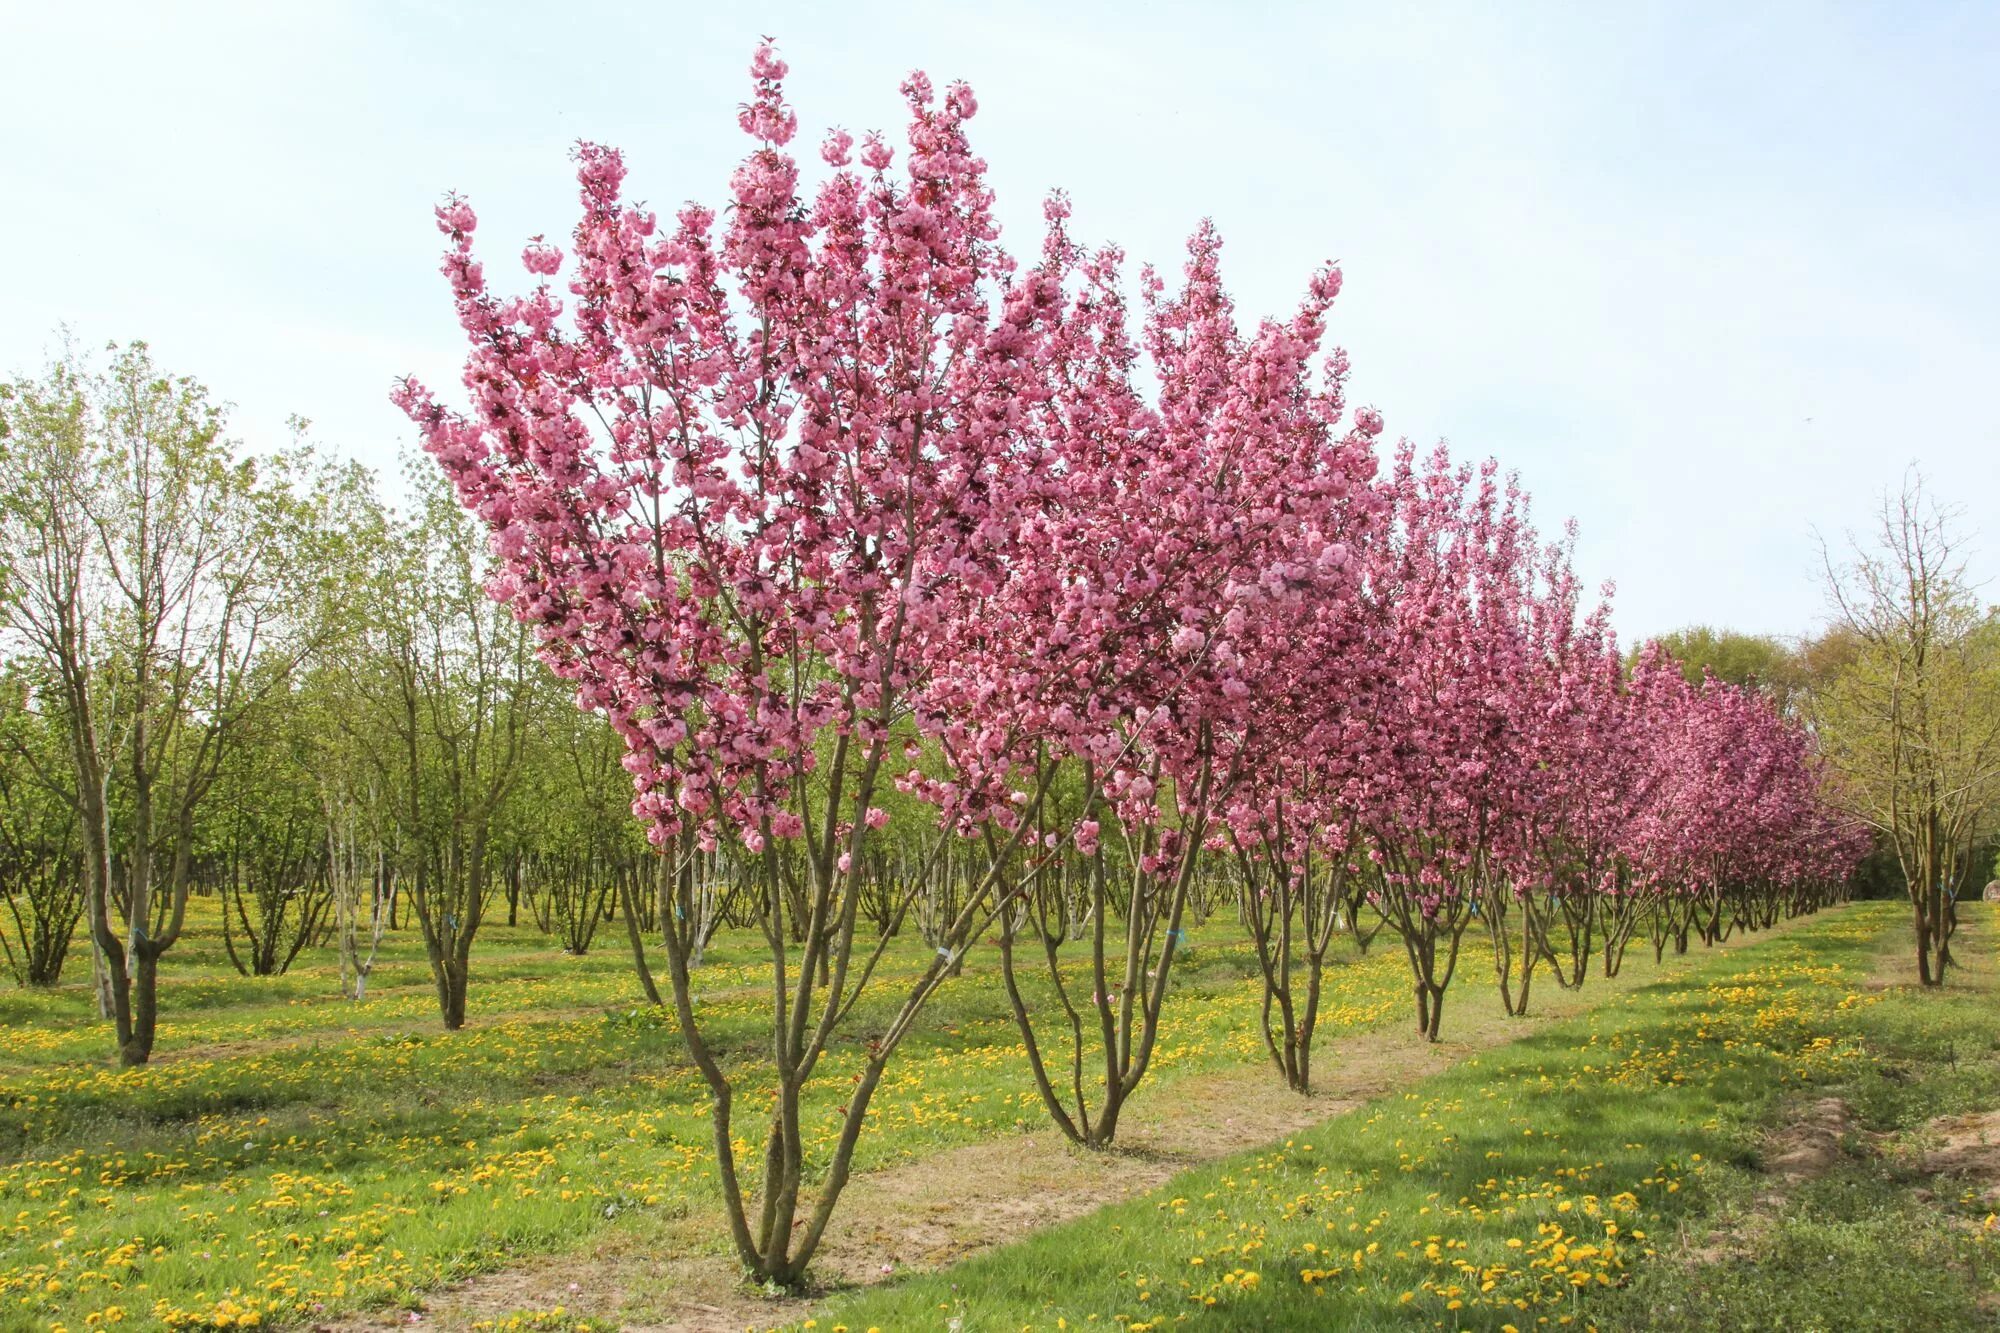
(441, 690)
(163, 584)
(1742, 659)
(1909, 713)
(264, 839)
(569, 825)
(41, 870)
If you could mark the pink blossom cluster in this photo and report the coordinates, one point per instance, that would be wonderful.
(1728, 792)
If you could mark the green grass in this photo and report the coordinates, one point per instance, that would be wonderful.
(1560, 1180)
(1852, 1250)
(1874, 1243)
(290, 1155)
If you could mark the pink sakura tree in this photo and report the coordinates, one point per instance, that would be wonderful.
(1530, 885)
(1448, 778)
(1775, 810)
(1725, 760)
(1498, 766)
(1596, 782)
(1654, 708)
(1174, 530)
(1302, 742)
(1728, 826)
(1567, 858)
(731, 477)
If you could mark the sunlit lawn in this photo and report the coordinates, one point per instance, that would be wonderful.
(1525, 1187)
(290, 1154)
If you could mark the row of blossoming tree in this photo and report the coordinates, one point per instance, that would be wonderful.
(822, 496)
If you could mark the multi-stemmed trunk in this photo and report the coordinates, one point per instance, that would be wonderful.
(47, 901)
(449, 894)
(1514, 960)
(1931, 867)
(352, 874)
(775, 1228)
(1621, 913)
(1935, 920)
(1293, 913)
(153, 914)
(1128, 977)
(816, 982)
(1568, 929)
(1126, 1012)
(1431, 927)
(1671, 921)
(1433, 952)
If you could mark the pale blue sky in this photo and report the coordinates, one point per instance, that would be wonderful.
(1708, 276)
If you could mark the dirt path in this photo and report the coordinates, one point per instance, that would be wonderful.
(927, 1214)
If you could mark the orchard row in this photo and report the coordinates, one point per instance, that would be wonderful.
(876, 545)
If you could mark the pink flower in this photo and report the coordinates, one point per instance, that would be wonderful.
(541, 258)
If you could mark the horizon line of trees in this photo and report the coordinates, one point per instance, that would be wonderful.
(1901, 692)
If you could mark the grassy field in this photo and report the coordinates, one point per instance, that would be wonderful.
(290, 1156)
(1601, 1173)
